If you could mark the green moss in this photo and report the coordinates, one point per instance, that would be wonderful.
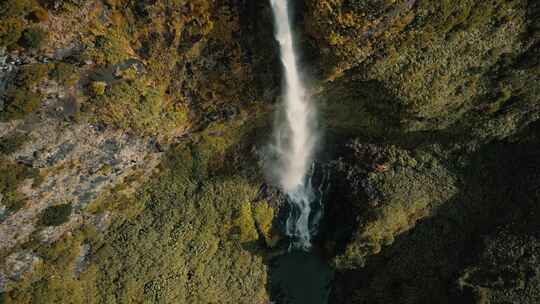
(55, 215)
(32, 38)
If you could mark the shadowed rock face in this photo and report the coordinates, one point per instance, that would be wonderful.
(476, 245)
(131, 137)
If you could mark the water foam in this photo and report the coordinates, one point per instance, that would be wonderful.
(295, 135)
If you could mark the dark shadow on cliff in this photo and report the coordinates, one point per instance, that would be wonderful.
(498, 186)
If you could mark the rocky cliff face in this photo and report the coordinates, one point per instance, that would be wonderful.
(130, 134)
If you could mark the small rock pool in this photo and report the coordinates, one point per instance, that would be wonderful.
(300, 277)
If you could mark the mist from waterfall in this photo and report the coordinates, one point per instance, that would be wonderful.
(295, 136)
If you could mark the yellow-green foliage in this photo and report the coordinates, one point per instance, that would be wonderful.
(111, 46)
(98, 88)
(264, 216)
(138, 105)
(246, 224)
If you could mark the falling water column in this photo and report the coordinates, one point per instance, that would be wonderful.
(294, 137)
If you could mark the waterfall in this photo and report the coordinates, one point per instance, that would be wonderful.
(295, 135)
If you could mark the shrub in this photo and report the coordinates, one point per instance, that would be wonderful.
(32, 38)
(55, 215)
(11, 176)
(16, 8)
(98, 88)
(39, 15)
(19, 103)
(12, 143)
(246, 224)
(137, 106)
(31, 75)
(20, 99)
(264, 215)
(64, 73)
(10, 31)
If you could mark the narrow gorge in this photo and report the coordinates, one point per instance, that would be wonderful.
(277, 151)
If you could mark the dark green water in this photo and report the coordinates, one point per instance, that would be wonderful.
(300, 277)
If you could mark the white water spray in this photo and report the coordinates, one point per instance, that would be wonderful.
(294, 135)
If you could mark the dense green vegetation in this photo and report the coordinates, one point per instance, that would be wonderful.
(174, 237)
(55, 215)
(430, 114)
(13, 15)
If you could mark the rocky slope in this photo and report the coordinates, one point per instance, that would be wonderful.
(132, 139)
